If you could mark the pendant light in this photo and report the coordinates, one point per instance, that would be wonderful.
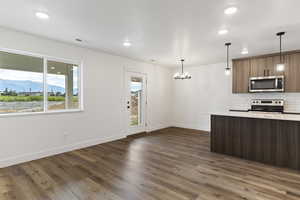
(227, 69)
(280, 67)
(182, 75)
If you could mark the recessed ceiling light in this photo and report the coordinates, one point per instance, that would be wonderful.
(244, 51)
(223, 31)
(126, 44)
(42, 15)
(230, 10)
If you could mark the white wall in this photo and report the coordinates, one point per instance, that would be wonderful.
(23, 138)
(186, 104)
(209, 91)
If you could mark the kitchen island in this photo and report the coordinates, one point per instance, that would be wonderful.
(263, 137)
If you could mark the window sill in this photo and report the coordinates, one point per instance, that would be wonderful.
(40, 113)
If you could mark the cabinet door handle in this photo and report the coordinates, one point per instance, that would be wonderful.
(264, 72)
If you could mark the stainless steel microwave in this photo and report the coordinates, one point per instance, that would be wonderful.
(266, 84)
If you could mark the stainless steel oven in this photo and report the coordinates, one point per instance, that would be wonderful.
(267, 105)
(266, 84)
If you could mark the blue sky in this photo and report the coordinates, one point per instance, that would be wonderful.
(136, 86)
(52, 79)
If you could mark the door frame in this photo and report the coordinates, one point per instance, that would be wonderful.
(142, 128)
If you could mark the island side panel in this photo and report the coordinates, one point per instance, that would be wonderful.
(218, 124)
(288, 144)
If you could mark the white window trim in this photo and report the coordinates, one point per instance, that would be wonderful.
(45, 88)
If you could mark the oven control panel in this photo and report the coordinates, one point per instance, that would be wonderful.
(267, 102)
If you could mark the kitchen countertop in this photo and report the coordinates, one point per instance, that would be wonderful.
(260, 115)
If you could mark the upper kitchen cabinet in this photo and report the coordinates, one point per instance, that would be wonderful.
(265, 65)
(271, 66)
(240, 75)
(258, 67)
(292, 72)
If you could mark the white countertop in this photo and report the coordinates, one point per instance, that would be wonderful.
(261, 115)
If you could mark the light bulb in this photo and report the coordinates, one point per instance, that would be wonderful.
(42, 15)
(230, 10)
(127, 44)
(244, 51)
(227, 71)
(187, 75)
(223, 31)
(176, 75)
(280, 67)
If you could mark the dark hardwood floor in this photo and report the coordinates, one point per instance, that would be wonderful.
(171, 164)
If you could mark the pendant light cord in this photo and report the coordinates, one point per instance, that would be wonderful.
(280, 50)
(227, 56)
(182, 66)
(280, 34)
(227, 45)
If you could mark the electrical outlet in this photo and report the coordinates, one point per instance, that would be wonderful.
(65, 136)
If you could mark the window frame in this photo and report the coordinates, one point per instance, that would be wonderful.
(47, 58)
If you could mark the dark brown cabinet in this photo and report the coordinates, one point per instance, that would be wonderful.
(271, 64)
(276, 60)
(260, 66)
(241, 74)
(292, 73)
(264, 66)
(274, 142)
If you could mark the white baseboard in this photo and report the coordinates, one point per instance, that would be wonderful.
(156, 128)
(63, 149)
(54, 151)
(200, 127)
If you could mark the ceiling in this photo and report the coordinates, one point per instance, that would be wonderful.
(163, 30)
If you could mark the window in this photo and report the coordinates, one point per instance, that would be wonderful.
(21, 83)
(23, 87)
(62, 83)
(136, 87)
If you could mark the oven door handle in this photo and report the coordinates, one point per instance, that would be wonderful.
(276, 83)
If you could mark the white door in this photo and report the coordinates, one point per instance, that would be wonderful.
(135, 92)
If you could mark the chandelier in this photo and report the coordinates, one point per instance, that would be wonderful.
(182, 75)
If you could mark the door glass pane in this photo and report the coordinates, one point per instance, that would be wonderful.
(136, 86)
(62, 82)
(21, 83)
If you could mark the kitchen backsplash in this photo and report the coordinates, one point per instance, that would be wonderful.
(242, 101)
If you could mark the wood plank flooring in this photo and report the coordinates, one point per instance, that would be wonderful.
(171, 164)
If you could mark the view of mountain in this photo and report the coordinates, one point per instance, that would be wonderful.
(25, 86)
